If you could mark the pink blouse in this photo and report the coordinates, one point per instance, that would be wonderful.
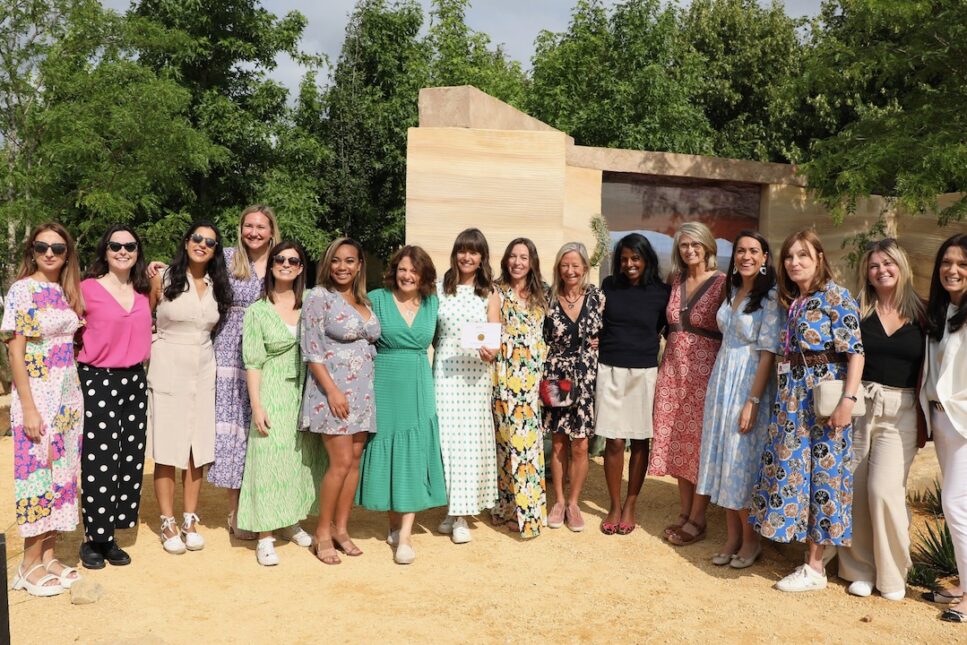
(114, 336)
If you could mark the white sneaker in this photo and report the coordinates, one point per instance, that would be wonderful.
(446, 526)
(193, 540)
(265, 552)
(460, 533)
(393, 538)
(894, 595)
(804, 578)
(172, 544)
(296, 535)
(860, 588)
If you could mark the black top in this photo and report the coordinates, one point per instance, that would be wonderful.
(895, 360)
(633, 316)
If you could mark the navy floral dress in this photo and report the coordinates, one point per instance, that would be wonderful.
(569, 355)
(804, 488)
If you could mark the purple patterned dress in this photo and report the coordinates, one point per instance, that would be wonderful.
(232, 411)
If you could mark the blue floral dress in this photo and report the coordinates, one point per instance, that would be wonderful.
(729, 459)
(804, 488)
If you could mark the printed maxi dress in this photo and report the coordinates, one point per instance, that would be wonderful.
(46, 472)
(804, 487)
(401, 469)
(693, 342)
(570, 356)
(282, 469)
(233, 413)
(464, 390)
(521, 490)
(729, 458)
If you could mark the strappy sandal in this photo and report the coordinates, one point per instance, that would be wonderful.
(64, 578)
(681, 538)
(326, 556)
(940, 597)
(346, 546)
(39, 588)
(237, 533)
(672, 528)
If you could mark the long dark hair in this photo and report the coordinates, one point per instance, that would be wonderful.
(177, 272)
(763, 282)
(533, 282)
(640, 246)
(939, 298)
(299, 285)
(472, 240)
(139, 272)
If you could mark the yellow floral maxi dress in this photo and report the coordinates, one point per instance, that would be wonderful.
(521, 492)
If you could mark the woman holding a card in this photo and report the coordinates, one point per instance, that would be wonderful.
(804, 490)
(463, 382)
(571, 327)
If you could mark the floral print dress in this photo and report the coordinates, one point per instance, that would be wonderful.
(335, 335)
(521, 490)
(46, 472)
(804, 488)
(570, 356)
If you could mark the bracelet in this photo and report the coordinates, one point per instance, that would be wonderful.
(851, 398)
(754, 400)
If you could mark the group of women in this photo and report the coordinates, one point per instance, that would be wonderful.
(777, 396)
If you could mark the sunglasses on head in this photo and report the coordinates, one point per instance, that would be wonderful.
(293, 261)
(40, 248)
(130, 247)
(198, 238)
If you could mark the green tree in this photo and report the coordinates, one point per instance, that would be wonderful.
(625, 80)
(887, 80)
(753, 56)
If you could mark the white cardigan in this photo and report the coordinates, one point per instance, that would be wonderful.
(951, 379)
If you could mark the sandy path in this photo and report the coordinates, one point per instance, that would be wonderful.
(561, 587)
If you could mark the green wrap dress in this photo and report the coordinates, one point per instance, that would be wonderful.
(280, 483)
(402, 469)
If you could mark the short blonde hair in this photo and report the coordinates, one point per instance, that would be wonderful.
(240, 262)
(906, 299)
(701, 234)
(557, 285)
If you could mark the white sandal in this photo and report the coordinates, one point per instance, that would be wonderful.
(39, 588)
(171, 543)
(193, 539)
(65, 580)
(237, 533)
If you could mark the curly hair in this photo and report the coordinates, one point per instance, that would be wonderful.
(422, 264)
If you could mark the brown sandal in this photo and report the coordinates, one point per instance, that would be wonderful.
(673, 528)
(327, 555)
(681, 538)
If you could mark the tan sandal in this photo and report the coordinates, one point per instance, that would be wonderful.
(327, 555)
(681, 538)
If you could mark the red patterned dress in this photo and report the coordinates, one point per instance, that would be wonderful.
(693, 342)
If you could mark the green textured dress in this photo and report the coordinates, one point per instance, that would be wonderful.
(280, 484)
(401, 469)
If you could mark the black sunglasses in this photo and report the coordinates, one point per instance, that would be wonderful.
(282, 259)
(198, 238)
(130, 247)
(40, 248)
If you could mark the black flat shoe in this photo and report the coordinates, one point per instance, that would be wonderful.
(953, 616)
(90, 556)
(115, 554)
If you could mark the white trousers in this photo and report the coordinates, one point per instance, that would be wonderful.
(952, 455)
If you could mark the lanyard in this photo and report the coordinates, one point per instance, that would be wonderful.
(797, 307)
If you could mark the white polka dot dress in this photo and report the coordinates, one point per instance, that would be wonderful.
(464, 387)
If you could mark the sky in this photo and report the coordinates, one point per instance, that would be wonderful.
(512, 23)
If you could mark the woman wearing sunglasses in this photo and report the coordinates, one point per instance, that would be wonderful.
(115, 342)
(43, 309)
(278, 487)
(193, 294)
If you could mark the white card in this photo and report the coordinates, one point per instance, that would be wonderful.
(477, 335)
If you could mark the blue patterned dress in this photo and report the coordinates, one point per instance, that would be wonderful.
(729, 459)
(804, 488)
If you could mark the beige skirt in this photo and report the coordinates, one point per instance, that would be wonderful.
(624, 400)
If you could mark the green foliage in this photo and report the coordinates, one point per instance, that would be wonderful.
(935, 549)
(928, 500)
(623, 80)
(752, 58)
(602, 240)
(886, 79)
(922, 576)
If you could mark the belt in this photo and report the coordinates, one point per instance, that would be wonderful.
(936, 405)
(811, 359)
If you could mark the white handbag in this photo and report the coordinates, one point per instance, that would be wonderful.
(827, 395)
